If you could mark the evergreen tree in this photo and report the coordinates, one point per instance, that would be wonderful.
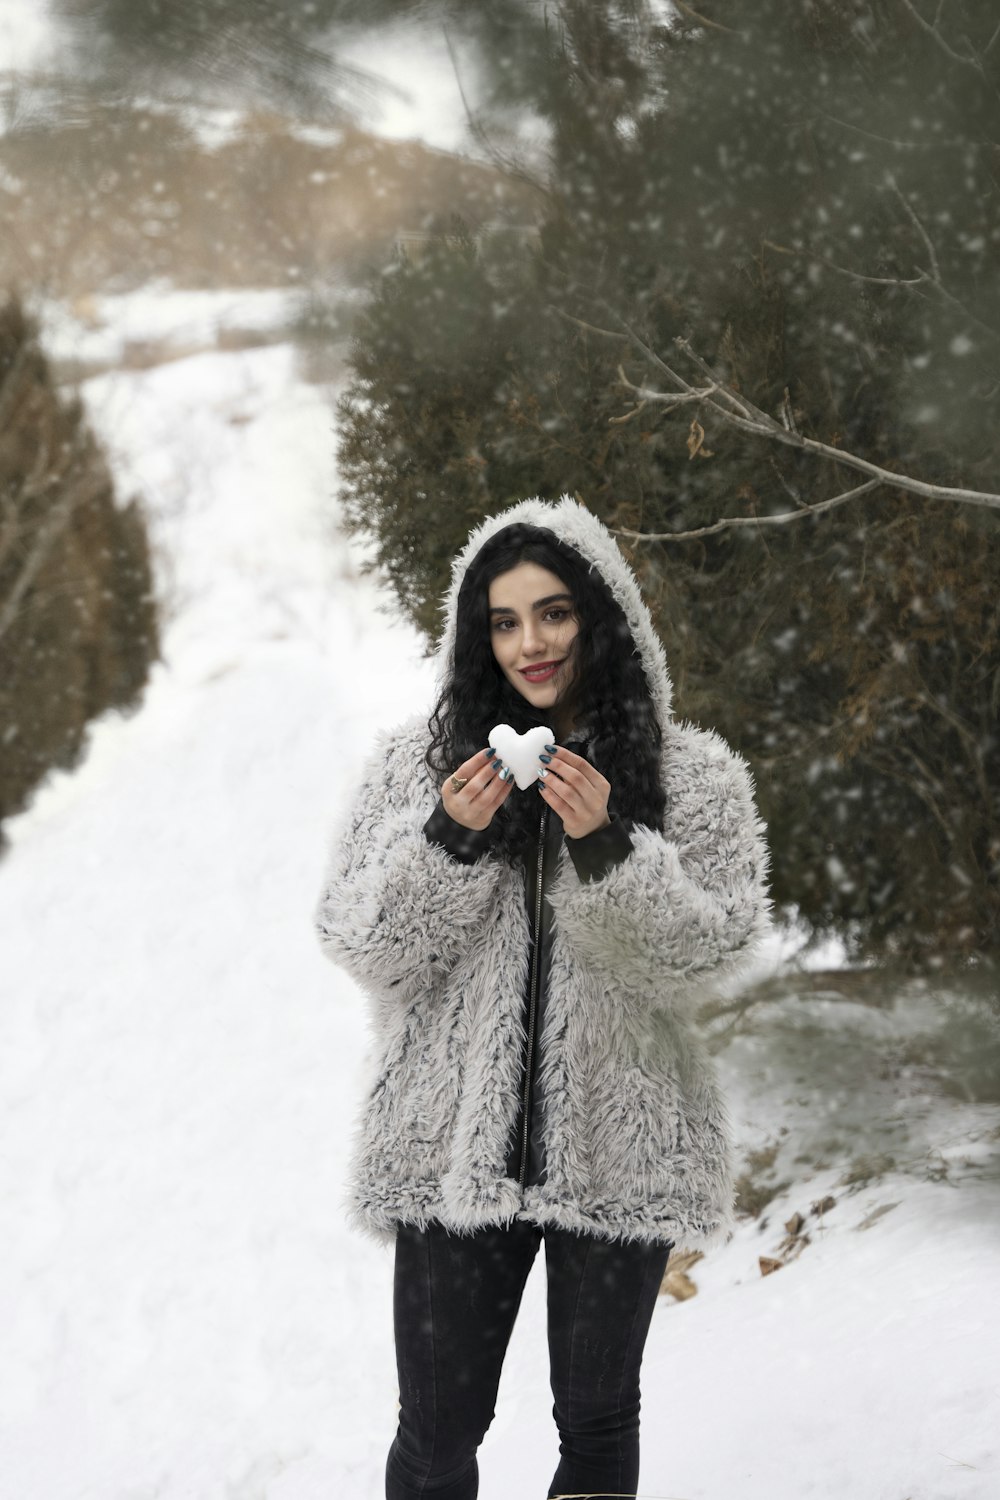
(808, 195)
(78, 624)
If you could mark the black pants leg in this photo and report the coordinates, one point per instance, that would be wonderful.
(601, 1296)
(455, 1298)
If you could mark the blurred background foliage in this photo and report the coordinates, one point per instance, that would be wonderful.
(809, 195)
(78, 626)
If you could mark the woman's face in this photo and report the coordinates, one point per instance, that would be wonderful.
(532, 630)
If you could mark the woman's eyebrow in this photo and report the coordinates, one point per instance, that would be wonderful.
(504, 609)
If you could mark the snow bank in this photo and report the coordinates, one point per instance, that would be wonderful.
(185, 1314)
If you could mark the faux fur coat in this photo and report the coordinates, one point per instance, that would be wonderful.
(637, 1138)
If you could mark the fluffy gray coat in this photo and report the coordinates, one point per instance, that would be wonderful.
(637, 1138)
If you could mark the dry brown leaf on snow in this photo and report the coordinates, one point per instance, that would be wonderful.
(679, 1285)
(676, 1280)
(792, 1246)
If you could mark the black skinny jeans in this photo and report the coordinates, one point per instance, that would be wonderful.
(455, 1300)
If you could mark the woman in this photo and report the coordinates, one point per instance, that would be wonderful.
(532, 959)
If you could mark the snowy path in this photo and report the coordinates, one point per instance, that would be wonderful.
(185, 1315)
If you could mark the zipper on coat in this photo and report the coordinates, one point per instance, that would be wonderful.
(533, 997)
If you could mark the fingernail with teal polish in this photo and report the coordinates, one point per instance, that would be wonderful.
(552, 749)
(490, 750)
(496, 765)
(545, 759)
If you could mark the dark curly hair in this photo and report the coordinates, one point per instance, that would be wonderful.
(609, 688)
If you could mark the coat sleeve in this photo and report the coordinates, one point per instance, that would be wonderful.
(688, 904)
(396, 910)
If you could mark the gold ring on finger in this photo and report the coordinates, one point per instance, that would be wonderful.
(457, 783)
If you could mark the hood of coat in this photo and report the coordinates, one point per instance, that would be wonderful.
(575, 525)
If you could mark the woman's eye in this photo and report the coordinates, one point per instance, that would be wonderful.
(555, 616)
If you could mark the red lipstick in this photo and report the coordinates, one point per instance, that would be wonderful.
(541, 671)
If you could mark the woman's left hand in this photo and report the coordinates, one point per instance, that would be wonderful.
(577, 792)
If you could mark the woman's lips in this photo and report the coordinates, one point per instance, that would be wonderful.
(542, 671)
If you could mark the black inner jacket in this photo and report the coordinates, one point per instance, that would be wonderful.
(593, 857)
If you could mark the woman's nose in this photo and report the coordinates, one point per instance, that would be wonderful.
(532, 641)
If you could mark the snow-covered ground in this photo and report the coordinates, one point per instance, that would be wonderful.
(26, 34)
(101, 329)
(185, 1315)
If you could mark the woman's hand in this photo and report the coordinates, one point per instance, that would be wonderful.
(484, 792)
(577, 792)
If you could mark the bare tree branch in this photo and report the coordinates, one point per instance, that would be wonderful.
(966, 61)
(933, 278)
(605, 333)
(954, 302)
(686, 10)
(922, 278)
(620, 421)
(744, 411)
(780, 519)
(845, 270)
(789, 489)
(766, 426)
(700, 393)
(918, 225)
(738, 411)
(955, 143)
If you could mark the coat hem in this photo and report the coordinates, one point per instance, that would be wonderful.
(378, 1215)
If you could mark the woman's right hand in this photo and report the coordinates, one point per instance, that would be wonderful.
(485, 790)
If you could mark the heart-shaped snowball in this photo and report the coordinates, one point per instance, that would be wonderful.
(520, 752)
